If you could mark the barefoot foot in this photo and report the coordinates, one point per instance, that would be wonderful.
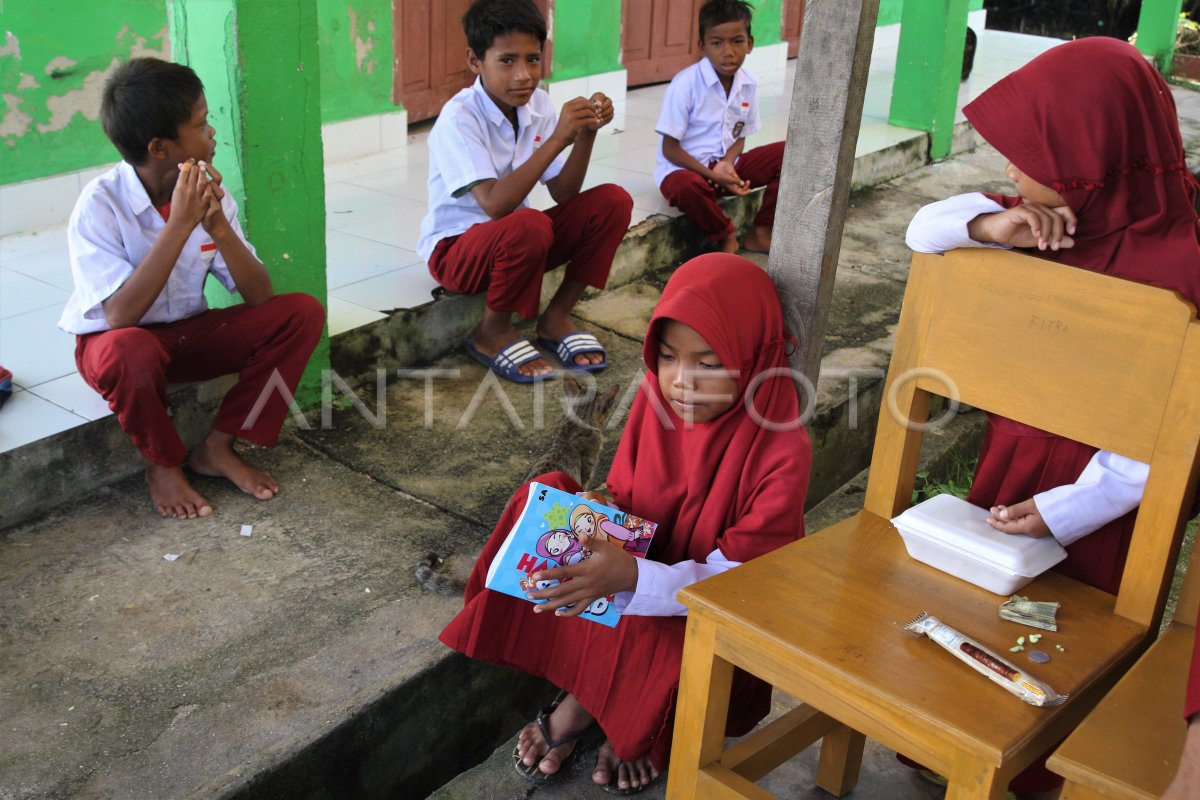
(758, 240)
(216, 458)
(568, 718)
(626, 774)
(172, 495)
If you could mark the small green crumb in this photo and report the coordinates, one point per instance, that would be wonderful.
(1015, 649)
(1033, 637)
(1059, 648)
(1021, 639)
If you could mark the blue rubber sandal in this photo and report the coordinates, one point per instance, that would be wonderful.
(508, 361)
(576, 344)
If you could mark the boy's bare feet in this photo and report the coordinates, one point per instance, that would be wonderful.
(758, 240)
(216, 457)
(496, 332)
(628, 774)
(569, 717)
(172, 495)
(729, 244)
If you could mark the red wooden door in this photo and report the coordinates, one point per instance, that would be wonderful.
(658, 38)
(793, 22)
(431, 54)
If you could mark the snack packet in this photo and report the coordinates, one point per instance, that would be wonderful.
(984, 661)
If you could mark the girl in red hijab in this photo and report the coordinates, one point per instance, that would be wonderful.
(715, 453)
(1092, 138)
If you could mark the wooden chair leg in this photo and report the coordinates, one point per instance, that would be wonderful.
(701, 710)
(841, 757)
(973, 780)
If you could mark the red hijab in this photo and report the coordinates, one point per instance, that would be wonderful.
(733, 482)
(1096, 123)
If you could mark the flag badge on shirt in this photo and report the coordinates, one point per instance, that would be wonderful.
(208, 247)
(537, 139)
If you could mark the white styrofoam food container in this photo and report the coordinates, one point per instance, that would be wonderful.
(950, 534)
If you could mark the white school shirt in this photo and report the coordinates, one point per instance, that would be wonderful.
(111, 230)
(1110, 485)
(706, 122)
(658, 583)
(473, 141)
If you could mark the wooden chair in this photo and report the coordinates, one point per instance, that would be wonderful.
(1129, 746)
(1104, 361)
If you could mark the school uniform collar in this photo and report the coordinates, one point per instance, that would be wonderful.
(494, 114)
(711, 78)
(135, 194)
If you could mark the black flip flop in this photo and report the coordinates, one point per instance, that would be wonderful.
(534, 774)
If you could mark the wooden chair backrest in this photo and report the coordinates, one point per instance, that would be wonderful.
(1108, 362)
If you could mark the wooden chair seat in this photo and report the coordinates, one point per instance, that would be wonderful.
(822, 601)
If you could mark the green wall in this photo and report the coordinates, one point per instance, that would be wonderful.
(57, 54)
(53, 63)
(587, 38)
(355, 44)
(768, 21)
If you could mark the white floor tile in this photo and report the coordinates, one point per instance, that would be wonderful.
(408, 181)
(34, 242)
(352, 259)
(403, 288)
(72, 394)
(32, 346)
(344, 316)
(50, 265)
(20, 294)
(398, 224)
(26, 418)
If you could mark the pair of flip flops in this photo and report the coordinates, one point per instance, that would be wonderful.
(507, 363)
(534, 774)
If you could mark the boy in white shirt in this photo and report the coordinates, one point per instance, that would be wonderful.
(142, 238)
(708, 111)
(491, 143)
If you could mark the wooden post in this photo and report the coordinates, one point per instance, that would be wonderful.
(1158, 24)
(827, 101)
(929, 70)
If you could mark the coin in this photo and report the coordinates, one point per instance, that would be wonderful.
(1038, 656)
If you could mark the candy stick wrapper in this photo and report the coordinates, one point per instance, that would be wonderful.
(984, 661)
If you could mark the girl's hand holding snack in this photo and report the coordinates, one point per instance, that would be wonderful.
(1026, 225)
(607, 571)
(1023, 518)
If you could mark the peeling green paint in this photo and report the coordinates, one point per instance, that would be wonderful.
(53, 63)
(56, 54)
(356, 58)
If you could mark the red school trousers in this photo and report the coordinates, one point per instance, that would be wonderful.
(131, 367)
(697, 198)
(508, 256)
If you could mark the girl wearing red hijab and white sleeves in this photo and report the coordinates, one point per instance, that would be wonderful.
(714, 452)
(1092, 138)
